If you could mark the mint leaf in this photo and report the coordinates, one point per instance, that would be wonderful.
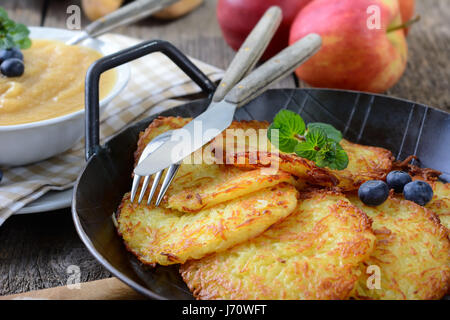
(6, 43)
(316, 137)
(325, 156)
(340, 159)
(288, 126)
(330, 131)
(283, 143)
(306, 150)
(24, 43)
(290, 122)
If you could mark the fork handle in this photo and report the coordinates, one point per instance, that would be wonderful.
(274, 69)
(250, 51)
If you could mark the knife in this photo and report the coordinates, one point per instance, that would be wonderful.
(243, 62)
(219, 115)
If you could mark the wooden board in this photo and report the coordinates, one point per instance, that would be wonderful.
(105, 289)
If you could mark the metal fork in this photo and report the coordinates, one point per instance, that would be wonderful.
(243, 62)
(152, 146)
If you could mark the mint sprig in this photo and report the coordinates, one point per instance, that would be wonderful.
(320, 143)
(13, 34)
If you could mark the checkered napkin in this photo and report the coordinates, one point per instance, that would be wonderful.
(155, 81)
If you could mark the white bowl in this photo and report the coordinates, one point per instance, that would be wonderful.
(31, 142)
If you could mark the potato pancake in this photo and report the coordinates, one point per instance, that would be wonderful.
(312, 254)
(365, 162)
(203, 185)
(165, 236)
(412, 252)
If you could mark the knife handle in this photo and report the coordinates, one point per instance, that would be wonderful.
(274, 69)
(250, 51)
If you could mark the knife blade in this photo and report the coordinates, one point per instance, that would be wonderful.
(190, 138)
(219, 115)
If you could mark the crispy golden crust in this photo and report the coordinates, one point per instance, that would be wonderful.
(440, 203)
(312, 254)
(412, 252)
(427, 174)
(365, 162)
(226, 185)
(164, 236)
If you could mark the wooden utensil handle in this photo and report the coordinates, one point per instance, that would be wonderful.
(274, 69)
(130, 13)
(106, 289)
(250, 51)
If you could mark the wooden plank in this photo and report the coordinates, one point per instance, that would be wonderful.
(38, 250)
(25, 11)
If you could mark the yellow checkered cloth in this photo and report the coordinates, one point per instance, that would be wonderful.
(155, 81)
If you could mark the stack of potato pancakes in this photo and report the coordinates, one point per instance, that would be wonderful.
(243, 230)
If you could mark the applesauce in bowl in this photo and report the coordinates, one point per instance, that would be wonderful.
(42, 111)
(52, 84)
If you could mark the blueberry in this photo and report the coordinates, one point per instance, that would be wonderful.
(397, 179)
(418, 191)
(6, 54)
(373, 192)
(12, 67)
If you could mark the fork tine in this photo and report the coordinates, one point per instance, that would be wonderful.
(134, 187)
(144, 188)
(158, 176)
(171, 172)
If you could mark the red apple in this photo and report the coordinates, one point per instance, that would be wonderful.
(406, 11)
(356, 54)
(238, 17)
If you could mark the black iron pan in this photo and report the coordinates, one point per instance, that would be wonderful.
(404, 127)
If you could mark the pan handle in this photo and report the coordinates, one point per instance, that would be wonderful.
(111, 61)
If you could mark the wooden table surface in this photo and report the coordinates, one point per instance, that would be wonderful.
(36, 250)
